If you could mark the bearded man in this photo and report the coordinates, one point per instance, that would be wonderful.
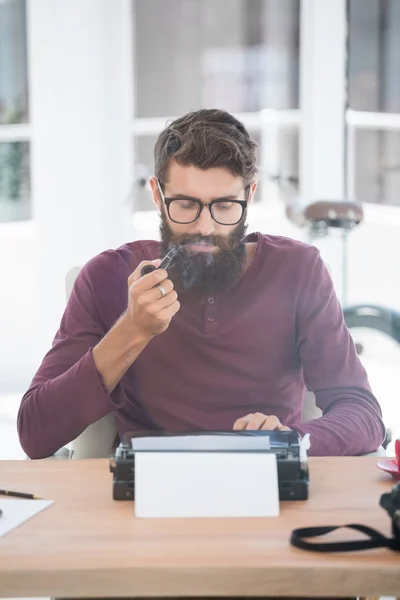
(227, 338)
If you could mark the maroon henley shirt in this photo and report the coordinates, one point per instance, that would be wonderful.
(252, 349)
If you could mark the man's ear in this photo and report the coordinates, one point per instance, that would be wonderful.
(252, 191)
(156, 193)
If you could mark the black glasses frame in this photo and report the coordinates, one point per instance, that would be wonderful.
(201, 206)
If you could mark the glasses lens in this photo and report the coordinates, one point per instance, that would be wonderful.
(227, 213)
(183, 211)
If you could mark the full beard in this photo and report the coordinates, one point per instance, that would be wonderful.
(205, 272)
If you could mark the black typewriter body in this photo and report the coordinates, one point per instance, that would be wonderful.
(293, 476)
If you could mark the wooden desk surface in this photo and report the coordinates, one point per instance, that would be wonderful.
(88, 545)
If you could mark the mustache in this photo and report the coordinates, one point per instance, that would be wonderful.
(219, 241)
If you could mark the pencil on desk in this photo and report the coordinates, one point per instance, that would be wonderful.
(19, 495)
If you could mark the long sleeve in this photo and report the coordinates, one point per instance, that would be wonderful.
(67, 393)
(351, 423)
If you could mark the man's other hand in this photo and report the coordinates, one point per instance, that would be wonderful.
(259, 421)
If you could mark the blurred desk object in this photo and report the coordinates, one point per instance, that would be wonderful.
(87, 545)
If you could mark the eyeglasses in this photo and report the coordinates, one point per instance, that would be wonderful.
(186, 210)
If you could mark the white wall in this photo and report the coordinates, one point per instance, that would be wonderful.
(81, 103)
(81, 107)
(19, 300)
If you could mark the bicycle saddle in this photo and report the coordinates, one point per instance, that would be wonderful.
(333, 213)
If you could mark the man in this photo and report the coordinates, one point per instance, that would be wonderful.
(228, 338)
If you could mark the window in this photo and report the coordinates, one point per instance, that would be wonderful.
(14, 181)
(374, 55)
(377, 171)
(14, 144)
(374, 88)
(242, 56)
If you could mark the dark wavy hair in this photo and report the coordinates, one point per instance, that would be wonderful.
(206, 138)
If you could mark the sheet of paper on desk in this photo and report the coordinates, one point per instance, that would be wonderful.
(16, 512)
(206, 442)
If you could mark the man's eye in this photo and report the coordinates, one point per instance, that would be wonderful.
(224, 205)
(186, 204)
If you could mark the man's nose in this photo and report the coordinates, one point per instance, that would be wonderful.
(204, 225)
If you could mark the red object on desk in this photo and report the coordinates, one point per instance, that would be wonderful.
(392, 465)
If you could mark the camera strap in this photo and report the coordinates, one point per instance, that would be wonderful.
(376, 539)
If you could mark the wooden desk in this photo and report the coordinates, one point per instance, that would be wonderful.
(88, 545)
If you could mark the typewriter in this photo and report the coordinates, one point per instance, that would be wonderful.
(290, 451)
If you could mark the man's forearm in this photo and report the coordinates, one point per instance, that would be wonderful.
(73, 389)
(346, 430)
(117, 351)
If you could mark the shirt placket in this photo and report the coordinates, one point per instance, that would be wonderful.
(210, 324)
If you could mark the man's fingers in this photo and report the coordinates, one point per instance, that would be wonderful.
(147, 282)
(272, 423)
(160, 304)
(256, 422)
(154, 294)
(241, 424)
(171, 310)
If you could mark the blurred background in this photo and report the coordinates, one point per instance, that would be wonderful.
(85, 88)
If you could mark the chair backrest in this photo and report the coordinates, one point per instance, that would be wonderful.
(97, 439)
(310, 409)
(70, 280)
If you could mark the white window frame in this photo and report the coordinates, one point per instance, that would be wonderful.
(15, 133)
(364, 121)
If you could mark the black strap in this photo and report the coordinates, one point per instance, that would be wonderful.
(377, 540)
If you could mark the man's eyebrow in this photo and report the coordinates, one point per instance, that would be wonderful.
(183, 197)
(187, 197)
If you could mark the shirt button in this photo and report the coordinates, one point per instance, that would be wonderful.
(211, 300)
(211, 319)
